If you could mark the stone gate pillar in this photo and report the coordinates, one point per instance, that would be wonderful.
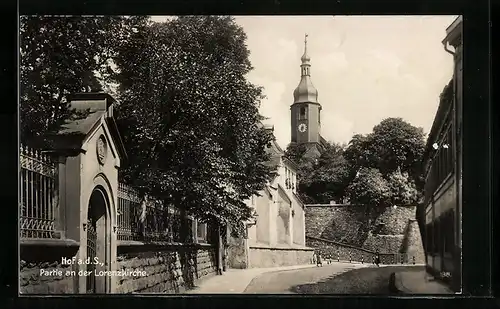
(90, 153)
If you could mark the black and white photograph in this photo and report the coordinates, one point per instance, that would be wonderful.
(209, 154)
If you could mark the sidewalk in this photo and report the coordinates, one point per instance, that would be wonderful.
(417, 282)
(236, 280)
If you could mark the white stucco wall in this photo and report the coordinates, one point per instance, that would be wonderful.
(275, 223)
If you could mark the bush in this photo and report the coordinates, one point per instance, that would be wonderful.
(402, 189)
(369, 188)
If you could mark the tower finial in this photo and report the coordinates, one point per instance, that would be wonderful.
(305, 56)
(305, 43)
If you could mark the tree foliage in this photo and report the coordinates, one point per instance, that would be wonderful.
(321, 179)
(369, 187)
(330, 176)
(393, 151)
(60, 56)
(393, 144)
(190, 118)
(402, 189)
(295, 152)
(394, 148)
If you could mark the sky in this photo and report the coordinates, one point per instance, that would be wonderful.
(365, 68)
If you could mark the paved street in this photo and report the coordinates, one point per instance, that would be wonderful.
(336, 278)
(260, 280)
(236, 280)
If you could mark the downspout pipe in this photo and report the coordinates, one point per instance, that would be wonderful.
(445, 45)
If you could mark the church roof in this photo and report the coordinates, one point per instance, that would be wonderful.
(305, 91)
(274, 150)
(291, 164)
(323, 141)
(297, 198)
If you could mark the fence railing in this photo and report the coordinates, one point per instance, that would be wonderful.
(139, 217)
(368, 258)
(142, 217)
(334, 251)
(39, 197)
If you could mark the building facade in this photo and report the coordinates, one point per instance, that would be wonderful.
(276, 236)
(306, 110)
(443, 174)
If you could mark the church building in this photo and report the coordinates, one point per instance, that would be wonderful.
(276, 236)
(306, 111)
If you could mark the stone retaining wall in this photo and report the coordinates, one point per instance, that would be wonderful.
(46, 255)
(32, 283)
(360, 225)
(275, 257)
(169, 268)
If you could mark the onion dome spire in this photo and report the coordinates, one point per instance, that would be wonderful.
(305, 91)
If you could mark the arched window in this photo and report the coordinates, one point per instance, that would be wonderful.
(302, 113)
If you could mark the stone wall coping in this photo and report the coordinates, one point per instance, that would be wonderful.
(49, 242)
(134, 243)
(261, 247)
(353, 205)
(47, 249)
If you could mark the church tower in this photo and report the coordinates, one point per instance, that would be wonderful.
(305, 110)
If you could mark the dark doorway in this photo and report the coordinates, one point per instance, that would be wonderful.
(97, 239)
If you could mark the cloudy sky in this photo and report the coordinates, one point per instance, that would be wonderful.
(366, 68)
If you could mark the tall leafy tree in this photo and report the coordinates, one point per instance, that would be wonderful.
(393, 144)
(398, 145)
(360, 152)
(369, 187)
(191, 117)
(394, 148)
(60, 56)
(329, 177)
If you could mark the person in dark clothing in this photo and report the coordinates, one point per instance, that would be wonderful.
(377, 259)
(319, 262)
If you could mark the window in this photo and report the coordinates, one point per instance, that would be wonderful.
(449, 233)
(450, 151)
(302, 113)
(442, 165)
(429, 232)
(201, 232)
(434, 229)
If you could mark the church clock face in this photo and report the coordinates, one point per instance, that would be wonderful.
(302, 127)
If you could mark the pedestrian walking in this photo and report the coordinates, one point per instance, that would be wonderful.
(377, 258)
(319, 262)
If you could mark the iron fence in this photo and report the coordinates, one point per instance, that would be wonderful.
(39, 197)
(142, 217)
